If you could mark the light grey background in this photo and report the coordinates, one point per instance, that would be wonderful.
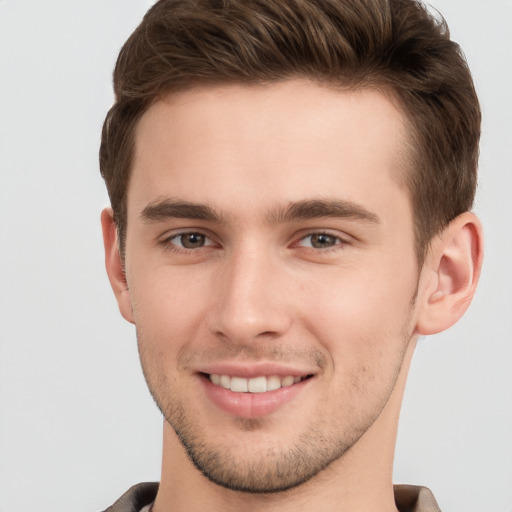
(77, 425)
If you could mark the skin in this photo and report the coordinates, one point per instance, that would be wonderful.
(267, 232)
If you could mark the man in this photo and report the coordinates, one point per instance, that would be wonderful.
(290, 185)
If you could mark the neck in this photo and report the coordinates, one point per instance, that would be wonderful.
(359, 481)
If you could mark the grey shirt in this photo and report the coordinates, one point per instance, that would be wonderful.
(408, 498)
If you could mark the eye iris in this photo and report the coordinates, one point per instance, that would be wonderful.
(192, 240)
(321, 241)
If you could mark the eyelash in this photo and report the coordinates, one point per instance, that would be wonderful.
(168, 244)
(340, 242)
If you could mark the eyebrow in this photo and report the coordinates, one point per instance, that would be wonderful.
(169, 208)
(319, 208)
(175, 209)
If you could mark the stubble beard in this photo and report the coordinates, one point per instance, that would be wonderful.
(279, 466)
(275, 470)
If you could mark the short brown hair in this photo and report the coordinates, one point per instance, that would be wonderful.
(396, 45)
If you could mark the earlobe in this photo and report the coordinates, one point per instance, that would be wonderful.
(114, 265)
(453, 268)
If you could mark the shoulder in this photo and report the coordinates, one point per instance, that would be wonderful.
(414, 498)
(135, 498)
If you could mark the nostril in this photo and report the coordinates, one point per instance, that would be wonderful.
(268, 334)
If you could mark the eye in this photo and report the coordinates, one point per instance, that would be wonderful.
(320, 241)
(190, 240)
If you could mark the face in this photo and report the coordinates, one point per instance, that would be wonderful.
(271, 273)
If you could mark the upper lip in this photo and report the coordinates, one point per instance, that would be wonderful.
(254, 369)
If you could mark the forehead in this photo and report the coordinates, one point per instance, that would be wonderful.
(245, 146)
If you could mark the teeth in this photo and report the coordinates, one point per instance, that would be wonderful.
(287, 381)
(273, 382)
(254, 385)
(239, 385)
(257, 385)
(225, 381)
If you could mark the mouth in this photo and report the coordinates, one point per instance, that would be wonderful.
(254, 395)
(258, 384)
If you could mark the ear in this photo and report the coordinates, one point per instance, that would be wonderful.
(114, 265)
(451, 272)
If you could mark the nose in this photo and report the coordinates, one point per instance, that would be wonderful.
(251, 300)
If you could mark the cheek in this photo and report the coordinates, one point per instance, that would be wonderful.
(167, 302)
(364, 317)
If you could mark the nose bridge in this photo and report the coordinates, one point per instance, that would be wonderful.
(251, 298)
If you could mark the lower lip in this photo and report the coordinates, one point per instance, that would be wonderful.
(251, 405)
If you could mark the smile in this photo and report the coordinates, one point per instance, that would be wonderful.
(253, 391)
(260, 384)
